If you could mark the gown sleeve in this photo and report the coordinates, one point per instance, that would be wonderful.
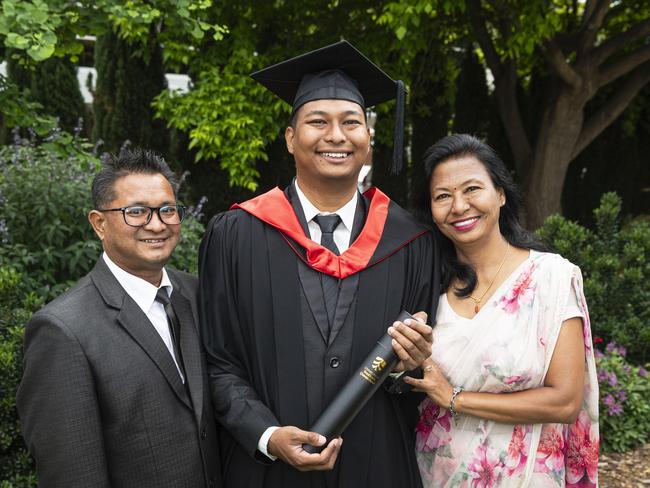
(237, 405)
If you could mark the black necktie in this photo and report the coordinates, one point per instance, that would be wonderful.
(327, 224)
(174, 325)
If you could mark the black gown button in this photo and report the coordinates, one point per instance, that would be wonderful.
(204, 434)
(335, 362)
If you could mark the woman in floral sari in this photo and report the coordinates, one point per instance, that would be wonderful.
(512, 395)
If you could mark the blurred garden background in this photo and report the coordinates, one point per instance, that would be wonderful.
(561, 88)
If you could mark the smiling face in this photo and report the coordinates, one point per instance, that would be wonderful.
(465, 204)
(330, 143)
(142, 251)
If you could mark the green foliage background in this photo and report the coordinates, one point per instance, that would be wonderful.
(615, 262)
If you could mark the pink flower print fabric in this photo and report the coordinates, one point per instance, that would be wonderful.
(582, 453)
(518, 449)
(485, 468)
(521, 292)
(433, 428)
(551, 451)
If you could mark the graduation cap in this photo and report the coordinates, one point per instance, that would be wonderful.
(339, 72)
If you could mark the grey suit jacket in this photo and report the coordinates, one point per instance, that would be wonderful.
(101, 402)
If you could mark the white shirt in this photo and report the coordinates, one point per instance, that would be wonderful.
(342, 232)
(143, 294)
(341, 236)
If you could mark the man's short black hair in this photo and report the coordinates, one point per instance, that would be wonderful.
(128, 161)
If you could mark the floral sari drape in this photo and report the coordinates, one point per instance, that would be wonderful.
(507, 347)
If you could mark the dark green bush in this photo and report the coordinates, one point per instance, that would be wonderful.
(44, 200)
(16, 468)
(615, 263)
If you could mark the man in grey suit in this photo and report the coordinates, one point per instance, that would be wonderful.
(114, 391)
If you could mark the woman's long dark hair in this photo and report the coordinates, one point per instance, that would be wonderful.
(456, 146)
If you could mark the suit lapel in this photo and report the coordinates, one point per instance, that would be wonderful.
(190, 349)
(138, 326)
(310, 281)
(136, 323)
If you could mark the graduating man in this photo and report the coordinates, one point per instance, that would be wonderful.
(114, 391)
(296, 287)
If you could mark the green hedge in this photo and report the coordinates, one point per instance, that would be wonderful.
(16, 468)
(615, 263)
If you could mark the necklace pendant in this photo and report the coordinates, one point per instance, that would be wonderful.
(476, 308)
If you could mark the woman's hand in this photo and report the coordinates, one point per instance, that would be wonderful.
(434, 384)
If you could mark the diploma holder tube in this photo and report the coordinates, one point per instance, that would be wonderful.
(365, 381)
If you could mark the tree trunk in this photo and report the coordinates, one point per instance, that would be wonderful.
(556, 140)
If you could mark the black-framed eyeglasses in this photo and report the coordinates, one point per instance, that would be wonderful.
(140, 215)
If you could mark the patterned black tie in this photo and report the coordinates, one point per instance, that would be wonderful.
(174, 326)
(327, 224)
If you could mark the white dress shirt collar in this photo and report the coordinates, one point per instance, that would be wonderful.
(142, 292)
(346, 212)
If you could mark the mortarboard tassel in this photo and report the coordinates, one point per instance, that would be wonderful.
(398, 135)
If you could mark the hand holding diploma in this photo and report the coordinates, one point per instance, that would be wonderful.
(412, 341)
(286, 444)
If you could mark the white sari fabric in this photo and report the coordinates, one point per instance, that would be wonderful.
(507, 347)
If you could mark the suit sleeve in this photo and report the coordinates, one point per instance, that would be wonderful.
(237, 405)
(59, 409)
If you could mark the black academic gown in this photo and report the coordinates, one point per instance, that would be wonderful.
(270, 362)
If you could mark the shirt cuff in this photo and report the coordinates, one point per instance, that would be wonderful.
(263, 443)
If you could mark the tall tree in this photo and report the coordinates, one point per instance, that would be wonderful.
(129, 76)
(53, 84)
(567, 49)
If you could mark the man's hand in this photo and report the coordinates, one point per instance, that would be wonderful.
(412, 341)
(286, 444)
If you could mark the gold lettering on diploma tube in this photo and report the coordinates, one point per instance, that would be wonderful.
(378, 364)
(368, 375)
(371, 375)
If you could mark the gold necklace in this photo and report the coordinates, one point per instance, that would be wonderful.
(477, 301)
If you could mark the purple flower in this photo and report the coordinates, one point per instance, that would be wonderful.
(616, 349)
(609, 400)
(602, 375)
(615, 409)
(621, 395)
(598, 354)
(612, 379)
(642, 372)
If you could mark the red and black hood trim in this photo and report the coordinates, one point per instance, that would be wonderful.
(387, 229)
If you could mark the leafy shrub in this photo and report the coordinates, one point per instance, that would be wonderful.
(44, 200)
(615, 263)
(16, 468)
(624, 400)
